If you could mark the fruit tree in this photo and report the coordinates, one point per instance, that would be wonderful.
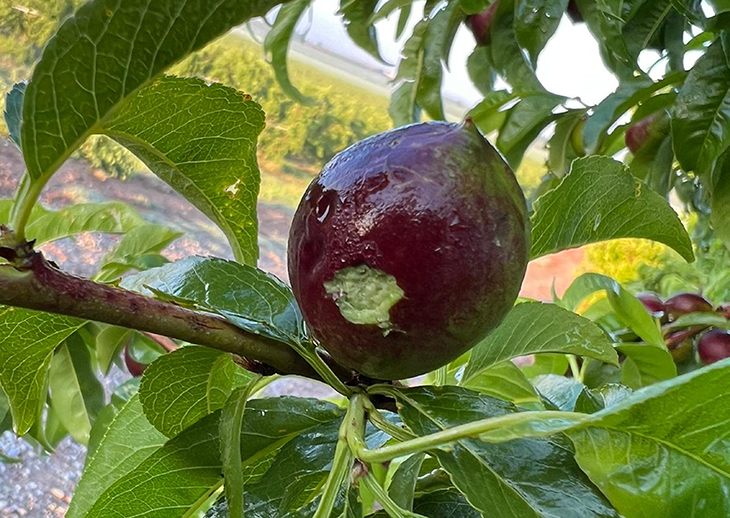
(406, 257)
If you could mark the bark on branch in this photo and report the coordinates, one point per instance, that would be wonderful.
(33, 283)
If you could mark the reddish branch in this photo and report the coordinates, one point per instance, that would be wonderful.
(32, 282)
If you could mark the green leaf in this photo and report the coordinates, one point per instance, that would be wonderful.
(403, 485)
(250, 298)
(436, 42)
(545, 364)
(645, 365)
(121, 395)
(720, 215)
(203, 144)
(505, 381)
(102, 56)
(640, 451)
(562, 392)
(533, 327)
(110, 217)
(128, 441)
(387, 8)
(600, 200)
(507, 56)
(536, 22)
(524, 477)
(481, 72)
(560, 147)
(14, 111)
(357, 18)
(230, 433)
(701, 114)
(524, 123)
(627, 307)
(403, 108)
(77, 397)
(444, 504)
(109, 343)
(489, 114)
(26, 348)
(645, 25)
(687, 419)
(628, 93)
(180, 388)
(276, 45)
(140, 241)
(652, 163)
(186, 470)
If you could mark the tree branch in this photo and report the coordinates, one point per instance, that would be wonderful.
(33, 283)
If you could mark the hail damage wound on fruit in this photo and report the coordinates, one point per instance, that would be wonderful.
(365, 295)
(408, 248)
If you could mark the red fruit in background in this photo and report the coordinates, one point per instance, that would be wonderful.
(573, 12)
(135, 368)
(714, 346)
(481, 24)
(680, 343)
(637, 134)
(652, 303)
(685, 303)
(408, 248)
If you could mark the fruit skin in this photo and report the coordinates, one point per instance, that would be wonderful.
(685, 303)
(481, 24)
(135, 368)
(714, 346)
(649, 128)
(680, 343)
(573, 12)
(652, 303)
(435, 206)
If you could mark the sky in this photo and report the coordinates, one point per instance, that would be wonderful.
(569, 65)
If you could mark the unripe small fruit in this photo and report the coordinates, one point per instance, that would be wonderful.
(135, 368)
(408, 248)
(714, 346)
(481, 24)
(685, 303)
(652, 303)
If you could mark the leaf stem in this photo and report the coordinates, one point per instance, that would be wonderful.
(390, 507)
(382, 424)
(465, 431)
(341, 465)
(313, 358)
(574, 367)
(230, 432)
(25, 199)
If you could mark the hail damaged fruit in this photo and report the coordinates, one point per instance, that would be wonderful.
(409, 248)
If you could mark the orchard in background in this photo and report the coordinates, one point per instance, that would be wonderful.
(407, 252)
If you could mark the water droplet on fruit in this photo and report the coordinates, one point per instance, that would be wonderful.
(323, 208)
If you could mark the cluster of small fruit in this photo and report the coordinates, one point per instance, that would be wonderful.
(711, 344)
